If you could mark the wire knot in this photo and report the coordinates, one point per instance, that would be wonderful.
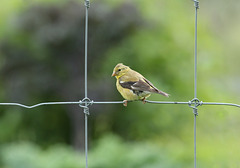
(87, 3)
(196, 4)
(84, 104)
(194, 103)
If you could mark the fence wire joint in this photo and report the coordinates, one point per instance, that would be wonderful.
(194, 103)
(84, 104)
(87, 3)
(196, 4)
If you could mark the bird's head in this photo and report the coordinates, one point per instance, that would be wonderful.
(120, 70)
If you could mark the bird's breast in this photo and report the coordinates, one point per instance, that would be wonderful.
(126, 93)
(129, 94)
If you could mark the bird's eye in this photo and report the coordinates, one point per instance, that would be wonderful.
(119, 69)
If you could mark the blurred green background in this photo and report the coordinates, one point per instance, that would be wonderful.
(42, 59)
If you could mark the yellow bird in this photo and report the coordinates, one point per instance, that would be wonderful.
(132, 85)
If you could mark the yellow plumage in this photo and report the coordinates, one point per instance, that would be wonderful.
(132, 85)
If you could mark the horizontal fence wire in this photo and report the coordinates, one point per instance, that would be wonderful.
(113, 102)
(37, 105)
(224, 104)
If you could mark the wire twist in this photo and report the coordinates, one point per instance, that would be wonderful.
(87, 3)
(84, 104)
(194, 103)
(196, 4)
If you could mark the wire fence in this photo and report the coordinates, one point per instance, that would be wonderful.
(86, 102)
(82, 103)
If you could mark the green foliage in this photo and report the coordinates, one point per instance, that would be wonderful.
(28, 155)
(42, 57)
(115, 153)
(9, 130)
(109, 152)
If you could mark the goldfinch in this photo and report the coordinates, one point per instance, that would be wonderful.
(132, 85)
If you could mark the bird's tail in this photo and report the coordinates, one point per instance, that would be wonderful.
(163, 93)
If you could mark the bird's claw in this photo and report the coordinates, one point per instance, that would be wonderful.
(144, 100)
(125, 103)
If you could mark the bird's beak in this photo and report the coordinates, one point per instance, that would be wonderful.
(114, 74)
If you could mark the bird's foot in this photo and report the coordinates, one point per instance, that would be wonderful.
(144, 100)
(125, 103)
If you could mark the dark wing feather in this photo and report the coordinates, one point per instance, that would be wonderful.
(155, 90)
(143, 86)
(127, 85)
(137, 86)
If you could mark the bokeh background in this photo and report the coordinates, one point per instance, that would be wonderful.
(42, 59)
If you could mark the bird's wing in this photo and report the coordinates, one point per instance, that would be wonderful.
(142, 85)
(155, 90)
(136, 82)
(151, 85)
(139, 85)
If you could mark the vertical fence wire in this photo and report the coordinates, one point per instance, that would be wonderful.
(196, 4)
(86, 112)
(195, 140)
(195, 52)
(86, 46)
(86, 139)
